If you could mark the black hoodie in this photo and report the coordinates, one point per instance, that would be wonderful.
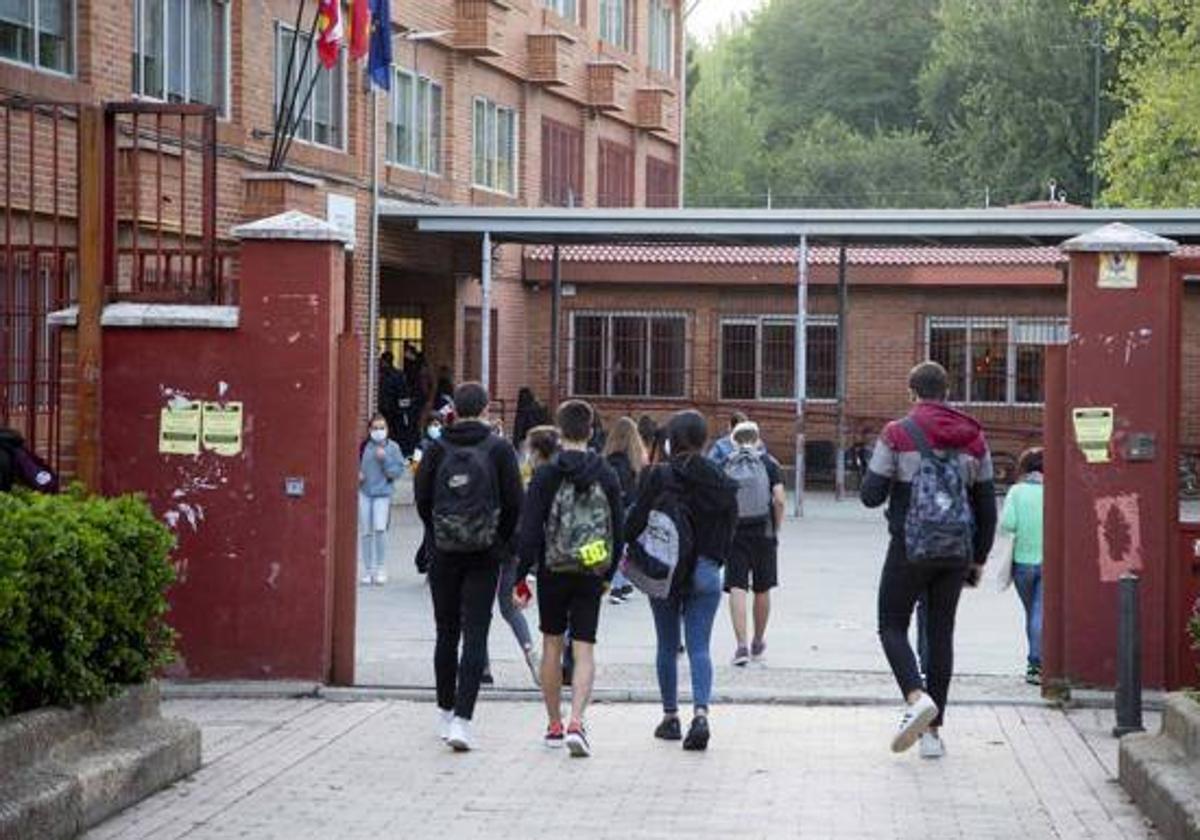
(504, 462)
(708, 493)
(582, 468)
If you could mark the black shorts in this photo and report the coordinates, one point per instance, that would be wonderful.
(752, 556)
(567, 600)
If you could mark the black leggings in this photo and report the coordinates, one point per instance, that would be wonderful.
(463, 588)
(899, 588)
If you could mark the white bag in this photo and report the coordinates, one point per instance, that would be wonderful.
(1002, 558)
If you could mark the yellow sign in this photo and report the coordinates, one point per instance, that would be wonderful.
(179, 428)
(1118, 271)
(1093, 431)
(223, 427)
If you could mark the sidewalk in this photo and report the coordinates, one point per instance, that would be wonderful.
(300, 769)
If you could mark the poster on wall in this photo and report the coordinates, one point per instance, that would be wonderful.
(222, 428)
(1118, 271)
(179, 428)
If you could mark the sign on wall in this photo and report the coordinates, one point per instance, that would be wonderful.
(1118, 271)
(340, 212)
(221, 427)
(179, 428)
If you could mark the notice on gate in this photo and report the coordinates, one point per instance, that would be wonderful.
(222, 428)
(179, 428)
(1118, 271)
(1093, 431)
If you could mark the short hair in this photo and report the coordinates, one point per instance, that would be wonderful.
(687, 432)
(929, 381)
(736, 419)
(1031, 461)
(376, 418)
(746, 433)
(543, 441)
(470, 400)
(386, 357)
(575, 420)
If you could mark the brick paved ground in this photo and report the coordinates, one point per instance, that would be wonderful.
(299, 769)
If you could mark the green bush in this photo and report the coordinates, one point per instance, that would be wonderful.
(82, 598)
(1194, 625)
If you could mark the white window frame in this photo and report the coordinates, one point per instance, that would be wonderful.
(647, 366)
(759, 321)
(614, 17)
(565, 9)
(432, 165)
(35, 32)
(491, 168)
(661, 53)
(1060, 326)
(139, 80)
(281, 65)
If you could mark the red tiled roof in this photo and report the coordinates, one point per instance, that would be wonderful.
(776, 255)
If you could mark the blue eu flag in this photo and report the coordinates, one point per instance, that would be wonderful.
(379, 62)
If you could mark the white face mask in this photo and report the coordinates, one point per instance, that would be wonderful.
(434, 432)
(379, 435)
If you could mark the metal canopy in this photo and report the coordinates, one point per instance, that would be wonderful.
(562, 226)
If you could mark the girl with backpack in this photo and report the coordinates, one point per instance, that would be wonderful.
(380, 463)
(704, 506)
(1022, 517)
(625, 454)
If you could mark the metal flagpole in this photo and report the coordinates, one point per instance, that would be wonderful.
(373, 305)
(485, 316)
(801, 369)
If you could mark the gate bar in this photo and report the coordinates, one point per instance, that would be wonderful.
(92, 148)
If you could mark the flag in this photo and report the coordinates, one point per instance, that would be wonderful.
(379, 63)
(329, 32)
(360, 29)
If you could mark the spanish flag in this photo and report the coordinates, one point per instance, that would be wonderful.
(329, 32)
(360, 29)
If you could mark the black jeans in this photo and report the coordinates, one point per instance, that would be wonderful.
(463, 588)
(900, 585)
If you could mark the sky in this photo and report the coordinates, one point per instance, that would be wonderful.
(709, 14)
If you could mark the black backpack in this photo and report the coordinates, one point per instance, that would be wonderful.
(466, 499)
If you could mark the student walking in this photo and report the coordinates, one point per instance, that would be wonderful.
(1022, 517)
(753, 559)
(468, 494)
(626, 455)
(706, 505)
(380, 463)
(934, 471)
(570, 532)
(724, 446)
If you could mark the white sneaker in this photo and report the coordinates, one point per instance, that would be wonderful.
(932, 746)
(380, 577)
(917, 718)
(460, 735)
(445, 717)
(366, 579)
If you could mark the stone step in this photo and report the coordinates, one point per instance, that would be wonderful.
(1181, 723)
(1164, 782)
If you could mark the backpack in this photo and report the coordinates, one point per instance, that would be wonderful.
(579, 530)
(939, 528)
(745, 466)
(466, 500)
(660, 561)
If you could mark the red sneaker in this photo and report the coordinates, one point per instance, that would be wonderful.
(554, 735)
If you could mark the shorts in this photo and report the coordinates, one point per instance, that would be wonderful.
(373, 513)
(569, 601)
(753, 556)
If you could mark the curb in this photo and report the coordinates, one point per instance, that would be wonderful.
(1162, 772)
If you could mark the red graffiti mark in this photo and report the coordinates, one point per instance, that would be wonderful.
(1119, 536)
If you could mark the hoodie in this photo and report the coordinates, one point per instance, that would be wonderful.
(710, 496)
(375, 475)
(583, 469)
(896, 460)
(504, 463)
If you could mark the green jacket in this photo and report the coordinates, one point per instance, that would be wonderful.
(1022, 518)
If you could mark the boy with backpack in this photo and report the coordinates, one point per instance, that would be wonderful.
(753, 559)
(468, 495)
(570, 531)
(934, 470)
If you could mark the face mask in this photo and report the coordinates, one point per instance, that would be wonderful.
(667, 448)
(435, 432)
(379, 435)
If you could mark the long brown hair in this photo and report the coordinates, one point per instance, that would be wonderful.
(624, 438)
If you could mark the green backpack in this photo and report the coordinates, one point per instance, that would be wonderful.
(579, 530)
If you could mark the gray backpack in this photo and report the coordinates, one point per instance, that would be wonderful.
(746, 467)
(939, 529)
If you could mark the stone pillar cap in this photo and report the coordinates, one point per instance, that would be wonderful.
(291, 225)
(1120, 237)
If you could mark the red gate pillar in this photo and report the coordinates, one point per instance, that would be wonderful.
(1117, 492)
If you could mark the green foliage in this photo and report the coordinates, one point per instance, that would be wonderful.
(82, 582)
(1194, 626)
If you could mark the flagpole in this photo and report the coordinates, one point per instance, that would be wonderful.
(373, 303)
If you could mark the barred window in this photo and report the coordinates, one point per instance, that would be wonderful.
(39, 33)
(758, 358)
(994, 361)
(629, 354)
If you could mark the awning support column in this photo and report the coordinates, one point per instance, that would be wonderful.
(485, 316)
(801, 368)
(843, 297)
(555, 327)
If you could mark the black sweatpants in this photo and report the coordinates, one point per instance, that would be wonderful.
(463, 588)
(900, 585)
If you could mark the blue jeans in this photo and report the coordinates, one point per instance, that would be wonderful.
(1028, 581)
(697, 609)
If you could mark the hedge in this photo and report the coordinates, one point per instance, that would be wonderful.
(82, 598)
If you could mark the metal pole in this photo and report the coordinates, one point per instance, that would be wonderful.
(801, 369)
(373, 260)
(1129, 659)
(555, 319)
(843, 294)
(485, 315)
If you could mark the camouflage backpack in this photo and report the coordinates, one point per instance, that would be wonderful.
(939, 529)
(579, 530)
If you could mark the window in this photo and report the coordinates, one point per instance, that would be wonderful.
(179, 50)
(415, 123)
(562, 164)
(323, 120)
(662, 183)
(614, 23)
(662, 37)
(994, 360)
(565, 8)
(40, 33)
(494, 147)
(629, 354)
(401, 327)
(758, 358)
(615, 175)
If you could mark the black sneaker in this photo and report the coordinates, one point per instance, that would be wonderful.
(697, 737)
(1033, 675)
(669, 730)
(487, 678)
